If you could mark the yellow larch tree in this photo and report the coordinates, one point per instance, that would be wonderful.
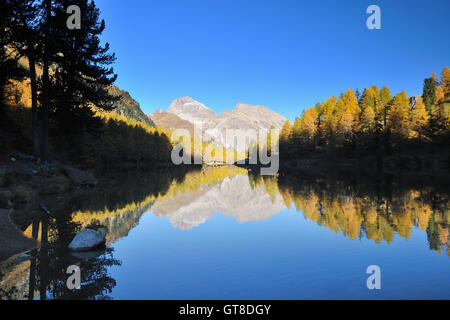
(445, 80)
(399, 115)
(419, 119)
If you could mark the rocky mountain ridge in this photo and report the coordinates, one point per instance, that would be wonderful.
(214, 126)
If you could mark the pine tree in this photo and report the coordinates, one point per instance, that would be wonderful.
(83, 73)
(9, 67)
(27, 41)
(429, 92)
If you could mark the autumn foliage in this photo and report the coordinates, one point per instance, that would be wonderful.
(377, 120)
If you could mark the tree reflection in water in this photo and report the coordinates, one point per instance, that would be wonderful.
(376, 207)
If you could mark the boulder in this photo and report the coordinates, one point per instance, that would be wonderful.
(23, 193)
(12, 241)
(87, 240)
(55, 185)
(5, 197)
(80, 177)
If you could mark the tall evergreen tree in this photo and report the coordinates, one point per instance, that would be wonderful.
(429, 92)
(83, 73)
(9, 68)
(27, 41)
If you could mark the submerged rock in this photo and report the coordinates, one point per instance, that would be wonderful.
(87, 240)
(55, 185)
(88, 255)
(80, 177)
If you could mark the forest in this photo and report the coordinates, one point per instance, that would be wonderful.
(375, 122)
(55, 90)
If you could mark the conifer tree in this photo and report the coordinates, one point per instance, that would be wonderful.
(352, 111)
(285, 136)
(383, 108)
(296, 132)
(419, 119)
(83, 73)
(445, 80)
(399, 115)
(27, 41)
(309, 125)
(429, 92)
(439, 97)
(328, 122)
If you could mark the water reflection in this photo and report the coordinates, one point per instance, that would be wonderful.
(356, 207)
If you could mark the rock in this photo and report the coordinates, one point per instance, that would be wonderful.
(23, 194)
(5, 198)
(80, 177)
(87, 240)
(12, 241)
(2, 176)
(55, 185)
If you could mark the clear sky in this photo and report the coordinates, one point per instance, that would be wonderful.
(285, 54)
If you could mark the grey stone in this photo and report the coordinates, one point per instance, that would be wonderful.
(12, 241)
(87, 240)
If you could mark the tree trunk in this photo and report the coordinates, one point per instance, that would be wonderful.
(34, 106)
(45, 76)
(43, 261)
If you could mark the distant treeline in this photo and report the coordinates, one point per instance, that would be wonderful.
(375, 120)
(65, 75)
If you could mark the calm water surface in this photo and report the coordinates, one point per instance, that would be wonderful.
(226, 233)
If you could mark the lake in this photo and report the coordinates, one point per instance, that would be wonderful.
(229, 233)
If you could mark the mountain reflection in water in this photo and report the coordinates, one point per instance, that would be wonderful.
(381, 210)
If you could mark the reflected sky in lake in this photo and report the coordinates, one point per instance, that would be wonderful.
(228, 233)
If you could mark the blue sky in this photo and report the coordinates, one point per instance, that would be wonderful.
(284, 54)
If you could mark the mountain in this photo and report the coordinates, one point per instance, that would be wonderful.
(171, 121)
(214, 126)
(233, 196)
(128, 107)
(190, 110)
